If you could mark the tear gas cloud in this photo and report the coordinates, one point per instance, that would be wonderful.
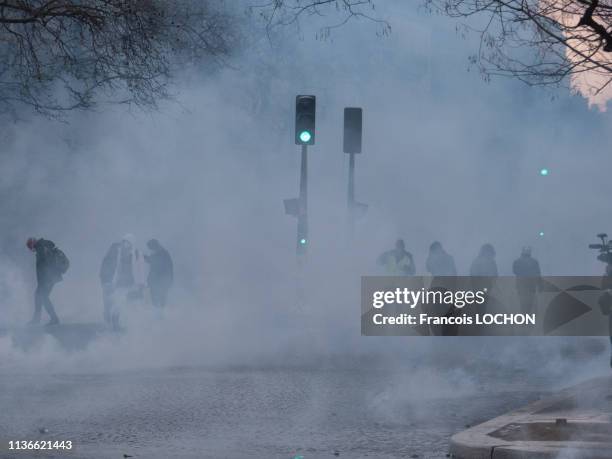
(446, 157)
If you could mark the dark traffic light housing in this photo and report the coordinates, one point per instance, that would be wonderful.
(352, 130)
(305, 108)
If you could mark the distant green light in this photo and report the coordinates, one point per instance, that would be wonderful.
(544, 172)
(541, 233)
(303, 241)
(305, 136)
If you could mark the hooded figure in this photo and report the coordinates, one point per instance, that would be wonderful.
(483, 272)
(48, 273)
(398, 262)
(527, 272)
(484, 264)
(442, 267)
(440, 263)
(161, 273)
(121, 276)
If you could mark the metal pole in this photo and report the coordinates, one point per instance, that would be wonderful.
(351, 193)
(303, 200)
(304, 177)
(302, 229)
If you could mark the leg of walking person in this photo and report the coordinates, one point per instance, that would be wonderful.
(48, 305)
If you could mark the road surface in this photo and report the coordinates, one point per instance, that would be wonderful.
(336, 408)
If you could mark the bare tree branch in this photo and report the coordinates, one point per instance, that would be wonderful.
(290, 12)
(58, 55)
(542, 42)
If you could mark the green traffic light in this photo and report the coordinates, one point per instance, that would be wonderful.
(305, 136)
(544, 172)
(541, 233)
(303, 241)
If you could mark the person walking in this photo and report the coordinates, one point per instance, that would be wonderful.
(51, 265)
(161, 273)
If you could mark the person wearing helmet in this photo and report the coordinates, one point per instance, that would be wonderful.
(527, 272)
(398, 261)
(47, 275)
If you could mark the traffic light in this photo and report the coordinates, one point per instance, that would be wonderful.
(352, 130)
(305, 108)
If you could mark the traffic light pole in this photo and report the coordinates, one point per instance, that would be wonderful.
(351, 194)
(302, 229)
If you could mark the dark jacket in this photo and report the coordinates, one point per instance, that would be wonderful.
(483, 272)
(46, 270)
(161, 268)
(606, 280)
(440, 263)
(527, 271)
(109, 264)
(605, 300)
(483, 266)
(526, 266)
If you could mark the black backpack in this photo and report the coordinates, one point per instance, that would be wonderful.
(60, 261)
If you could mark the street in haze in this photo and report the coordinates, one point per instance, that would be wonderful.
(357, 409)
(302, 229)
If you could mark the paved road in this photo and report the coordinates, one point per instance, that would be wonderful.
(402, 404)
(260, 413)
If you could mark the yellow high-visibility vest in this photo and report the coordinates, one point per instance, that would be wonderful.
(397, 267)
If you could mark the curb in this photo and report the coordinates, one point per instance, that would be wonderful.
(575, 423)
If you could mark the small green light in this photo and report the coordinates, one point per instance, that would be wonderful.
(305, 136)
(544, 172)
(541, 233)
(303, 241)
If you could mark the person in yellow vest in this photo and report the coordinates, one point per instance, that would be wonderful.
(397, 262)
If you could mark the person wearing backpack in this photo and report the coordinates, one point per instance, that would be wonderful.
(51, 265)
